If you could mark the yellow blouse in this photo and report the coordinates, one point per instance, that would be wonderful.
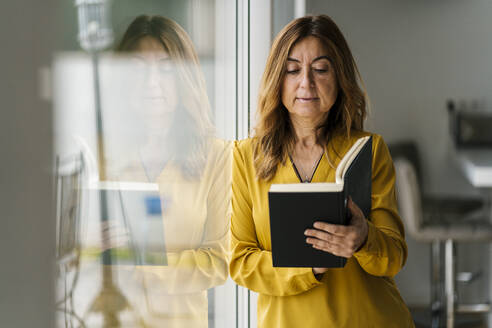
(362, 294)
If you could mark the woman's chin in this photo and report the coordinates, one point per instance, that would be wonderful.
(308, 112)
(158, 104)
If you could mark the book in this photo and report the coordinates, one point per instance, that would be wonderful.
(137, 228)
(142, 212)
(295, 207)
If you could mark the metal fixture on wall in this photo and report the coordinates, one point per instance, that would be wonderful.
(95, 35)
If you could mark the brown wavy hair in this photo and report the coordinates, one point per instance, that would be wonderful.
(192, 125)
(274, 135)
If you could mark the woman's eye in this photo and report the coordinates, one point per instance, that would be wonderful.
(166, 68)
(321, 70)
(292, 71)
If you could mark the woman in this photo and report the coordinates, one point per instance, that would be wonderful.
(167, 94)
(311, 110)
(191, 167)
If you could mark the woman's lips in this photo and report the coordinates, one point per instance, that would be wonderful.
(306, 99)
(153, 98)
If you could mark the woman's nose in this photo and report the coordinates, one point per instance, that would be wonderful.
(307, 80)
(153, 76)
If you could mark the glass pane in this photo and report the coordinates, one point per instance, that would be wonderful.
(142, 134)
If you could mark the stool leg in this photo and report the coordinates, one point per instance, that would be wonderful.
(436, 287)
(449, 282)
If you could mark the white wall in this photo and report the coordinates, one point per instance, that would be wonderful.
(413, 56)
(282, 14)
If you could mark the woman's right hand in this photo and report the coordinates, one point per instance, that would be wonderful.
(113, 235)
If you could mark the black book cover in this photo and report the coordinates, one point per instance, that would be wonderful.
(291, 213)
(358, 179)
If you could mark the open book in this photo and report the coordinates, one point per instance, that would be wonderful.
(137, 226)
(295, 207)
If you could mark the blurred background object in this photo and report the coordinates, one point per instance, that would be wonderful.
(28, 33)
(470, 127)
(441, 221)
(68, 182)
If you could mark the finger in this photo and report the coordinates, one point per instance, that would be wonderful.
(322, 244)
(318, 242)
(117, 234)
(336, 229)
(349, 245)
(323, 235)
(334, 249)
(118, 239)
(112, 226)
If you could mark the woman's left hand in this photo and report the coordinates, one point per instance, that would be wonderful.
(339, 239)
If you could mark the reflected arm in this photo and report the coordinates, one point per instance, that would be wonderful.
(195, 270)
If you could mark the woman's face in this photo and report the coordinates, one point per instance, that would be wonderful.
(309, 88)
(156, 82)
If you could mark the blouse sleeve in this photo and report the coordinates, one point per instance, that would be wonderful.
(385, 250)
(250, 265)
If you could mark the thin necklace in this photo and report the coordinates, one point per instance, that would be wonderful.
(151, 177)
(307, 179)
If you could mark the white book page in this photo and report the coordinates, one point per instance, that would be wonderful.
(306, 187)
(123, 185)
(348, 158)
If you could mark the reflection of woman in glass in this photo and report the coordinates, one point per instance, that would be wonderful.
(190, 166)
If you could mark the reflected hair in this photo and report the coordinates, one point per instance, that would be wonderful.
(274, 136)
(192, 128)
